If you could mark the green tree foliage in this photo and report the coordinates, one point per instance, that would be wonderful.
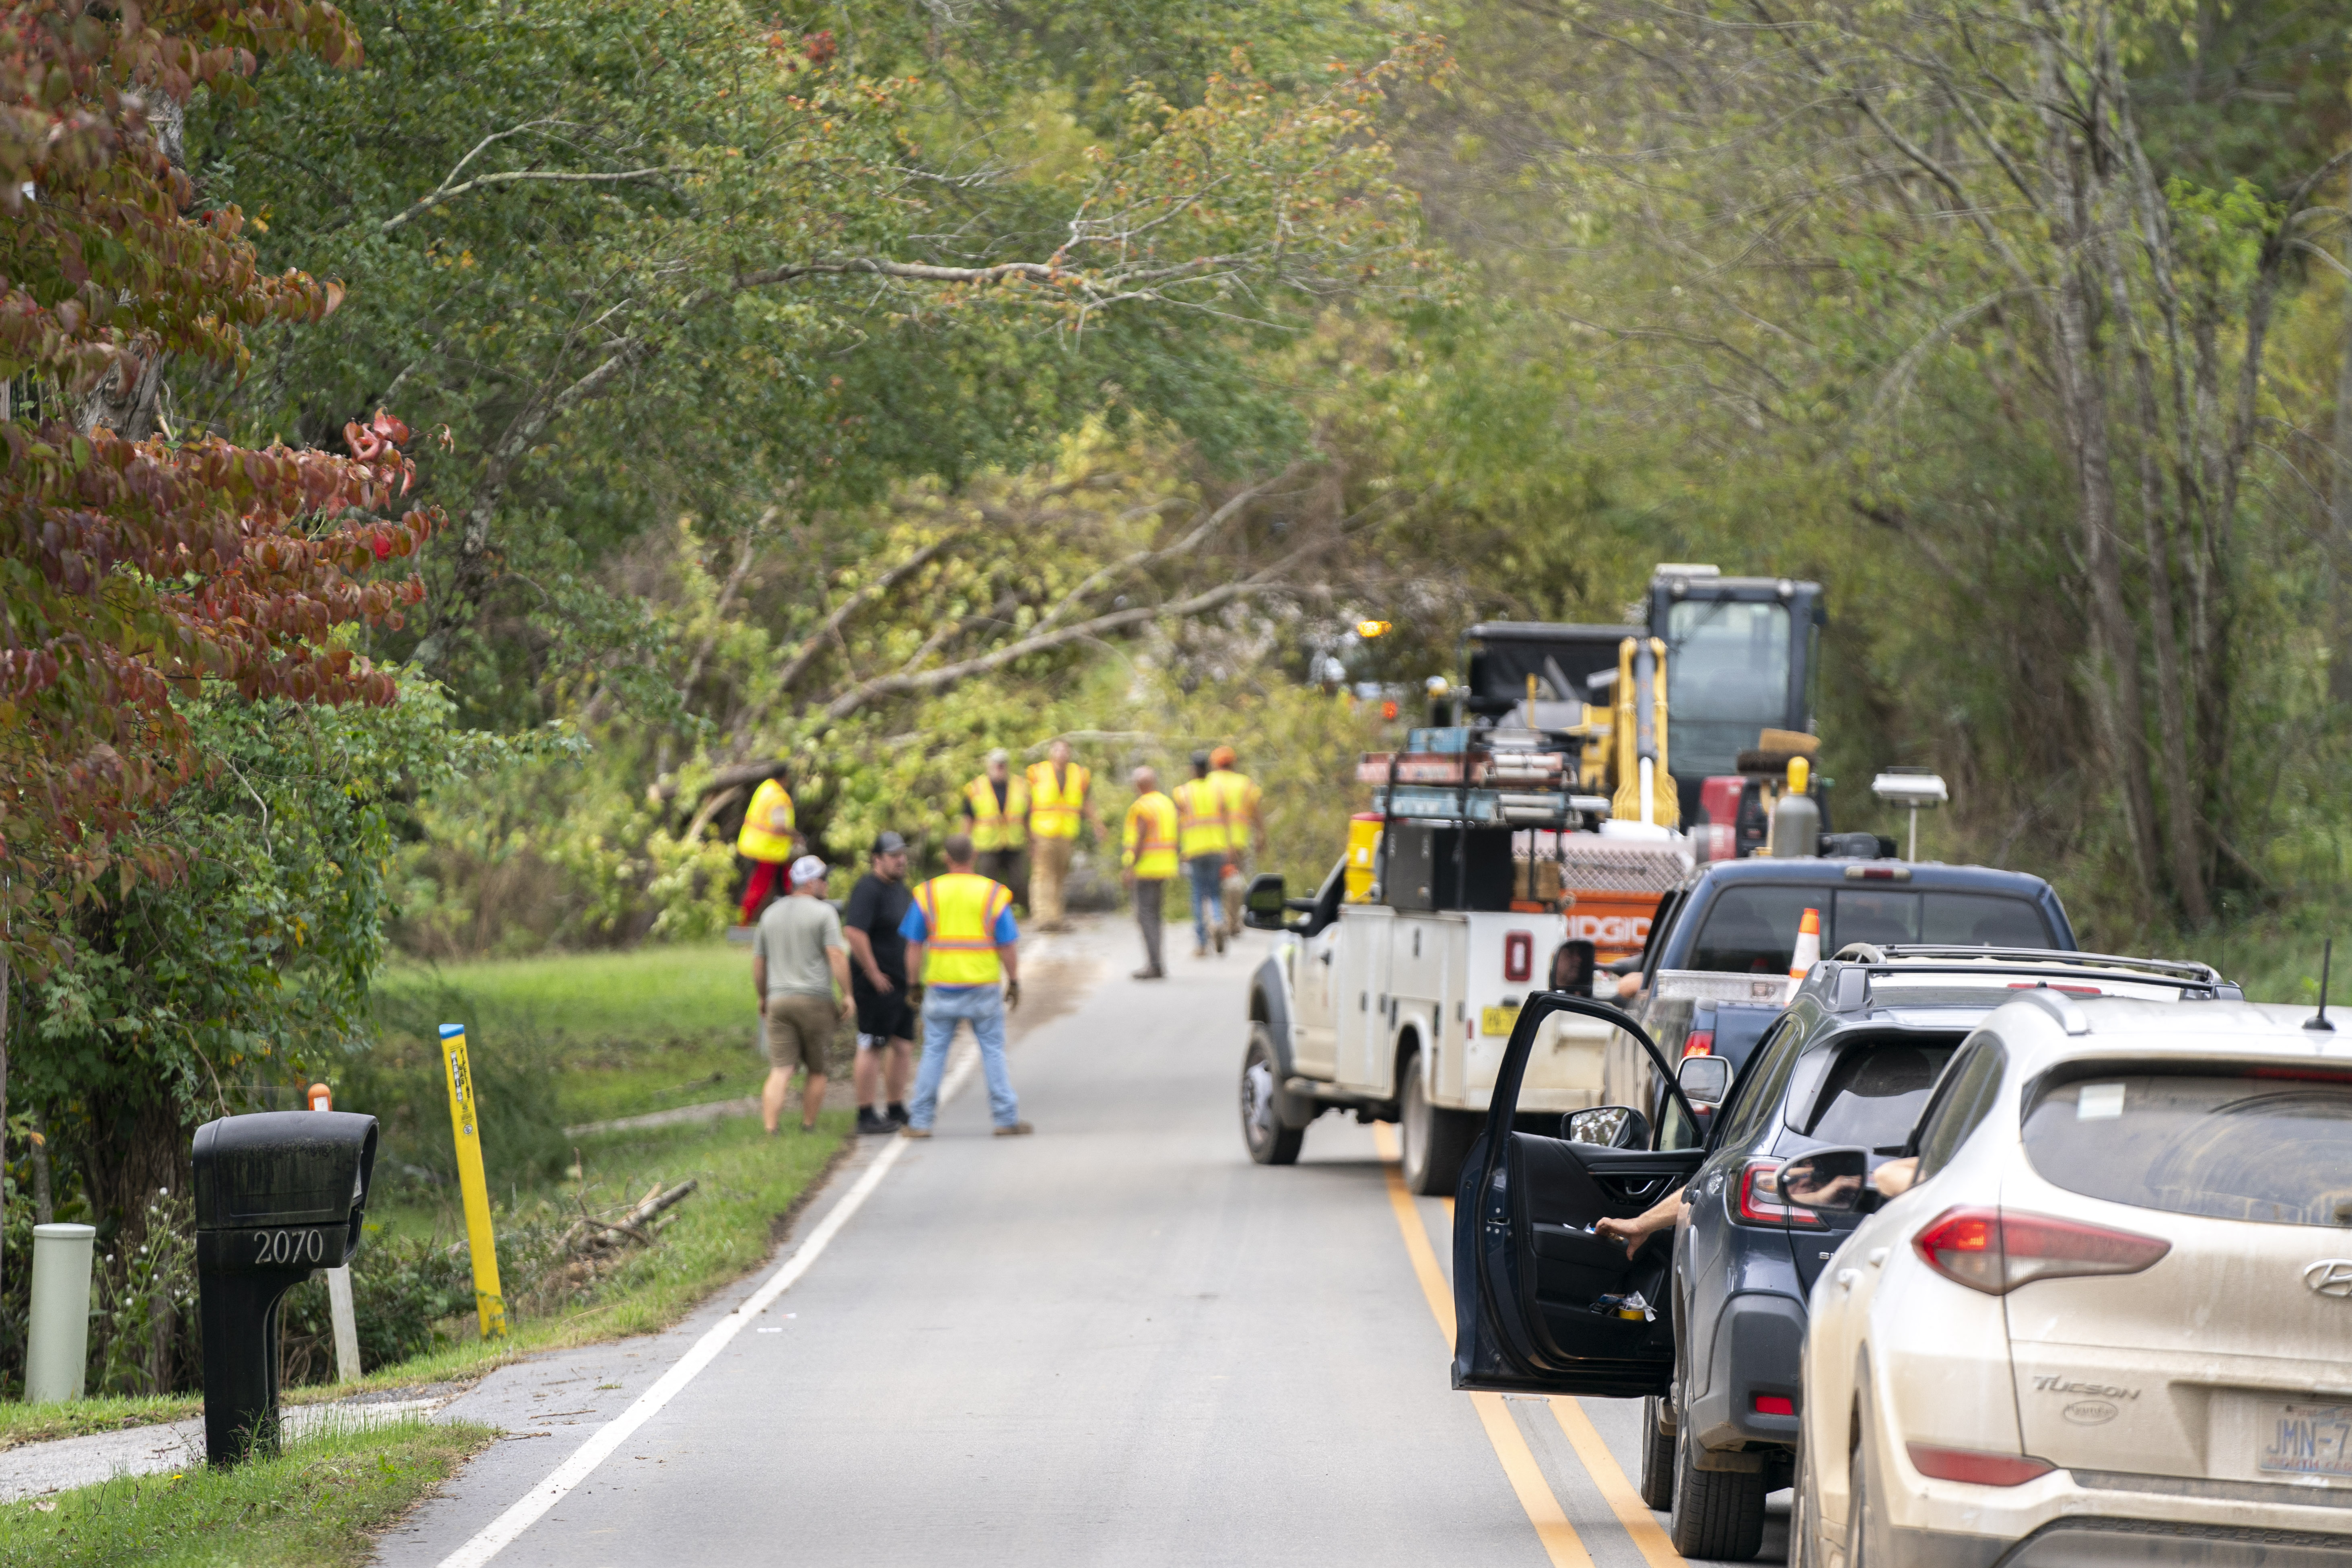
(677, 257)
(171, 1003)
(1969, 309)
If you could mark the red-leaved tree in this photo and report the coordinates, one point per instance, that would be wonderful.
(132, 560)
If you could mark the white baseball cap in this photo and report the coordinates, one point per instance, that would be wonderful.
(806, 869)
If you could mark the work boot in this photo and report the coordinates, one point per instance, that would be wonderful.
(1015, 1130)
(897, 1112)
(871, 1121)
(911, 1130)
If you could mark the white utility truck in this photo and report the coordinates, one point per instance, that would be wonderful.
(1399, 981)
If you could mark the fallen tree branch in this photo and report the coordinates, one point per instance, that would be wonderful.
(595, 1235)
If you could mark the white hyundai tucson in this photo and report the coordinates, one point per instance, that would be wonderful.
(2111, 1322)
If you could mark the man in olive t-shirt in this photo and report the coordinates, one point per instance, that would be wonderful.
(800, 967)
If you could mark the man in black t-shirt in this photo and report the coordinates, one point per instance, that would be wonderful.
(878, 983)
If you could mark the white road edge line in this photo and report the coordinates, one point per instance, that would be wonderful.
(501, 1531)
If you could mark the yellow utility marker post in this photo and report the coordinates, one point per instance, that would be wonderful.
(489, 1302)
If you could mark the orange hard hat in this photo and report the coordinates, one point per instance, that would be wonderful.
(1223, 757)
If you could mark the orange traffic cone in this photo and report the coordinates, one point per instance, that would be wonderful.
(1809, 945)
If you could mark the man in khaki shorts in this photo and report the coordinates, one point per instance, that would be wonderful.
(800, 967)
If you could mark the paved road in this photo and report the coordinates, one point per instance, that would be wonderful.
(1118, 1341)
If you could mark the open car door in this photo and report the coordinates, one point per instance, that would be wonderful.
(1530, 1276)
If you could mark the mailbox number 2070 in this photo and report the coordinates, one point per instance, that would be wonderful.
(291, 1246)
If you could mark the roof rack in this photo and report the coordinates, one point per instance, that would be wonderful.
(1960, 958)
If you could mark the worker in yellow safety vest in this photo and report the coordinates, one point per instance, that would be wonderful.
(1244, 830)
(1147, 861)
(1060, 797)
(1203, 840)
(961, 939)
(995, 807)
(768, 840)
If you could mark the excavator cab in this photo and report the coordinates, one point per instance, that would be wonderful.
(1743, 656)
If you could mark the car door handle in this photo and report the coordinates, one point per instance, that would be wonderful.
(1877, 1256)
(1846, 1276)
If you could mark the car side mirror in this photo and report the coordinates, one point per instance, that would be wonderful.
(1706, 1081)
(1610, 1126)
(1833, 1181)
(1265, 906)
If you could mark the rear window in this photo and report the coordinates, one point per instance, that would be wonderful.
(1875, 1092)
(1753, 930)
(2269, 1145)
(1880, 916)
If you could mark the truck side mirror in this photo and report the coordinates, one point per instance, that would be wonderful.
(278, 1194)
(1263, 906)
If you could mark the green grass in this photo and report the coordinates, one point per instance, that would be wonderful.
(650, 1029)
(319, 1502)
(81, 1417)
(723, 1230)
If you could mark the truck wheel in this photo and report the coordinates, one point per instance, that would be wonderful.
(1270, 1143)
(1657, 1457)
(1434, 1140)
(1716, 1513)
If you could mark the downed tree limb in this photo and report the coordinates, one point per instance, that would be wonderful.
(663, 791)
(593, 1235)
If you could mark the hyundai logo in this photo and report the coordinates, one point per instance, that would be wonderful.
(2330, 1277)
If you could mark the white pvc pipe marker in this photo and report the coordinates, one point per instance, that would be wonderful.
(338, 1284)
(57, 1349)
(347, 1329)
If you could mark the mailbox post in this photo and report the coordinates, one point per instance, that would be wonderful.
(278, 1194)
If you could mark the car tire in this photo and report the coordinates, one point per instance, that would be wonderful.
(1435, 1141)
(1269, 1141)
(1857, 1506)
(1657, 1458)
(1804, 1514)
(1716, 1513)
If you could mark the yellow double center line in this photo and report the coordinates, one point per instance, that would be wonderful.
(1560, 1542)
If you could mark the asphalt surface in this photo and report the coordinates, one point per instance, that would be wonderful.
(1118, 1341)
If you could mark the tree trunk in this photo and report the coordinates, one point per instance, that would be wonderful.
(126, 1152)
(44, 1201)
(2339, 489)
(2115, 699)
(4, 977)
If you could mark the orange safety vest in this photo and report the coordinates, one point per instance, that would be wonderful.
(760, 840)
(1201, 819)
(1149, 840)
(960, 911)
(994, 827)
(1237, 798)
(1054, 806)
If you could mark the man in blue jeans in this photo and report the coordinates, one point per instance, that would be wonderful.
(961, 939)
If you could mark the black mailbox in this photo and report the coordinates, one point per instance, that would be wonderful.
(278, 1194)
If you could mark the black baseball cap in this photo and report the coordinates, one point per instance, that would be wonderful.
(889, 843)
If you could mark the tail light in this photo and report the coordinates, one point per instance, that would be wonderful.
(1759, 1199)
(1775, 1404)
(1995, 1252)
(1699, 1043)
(1975, 1466)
